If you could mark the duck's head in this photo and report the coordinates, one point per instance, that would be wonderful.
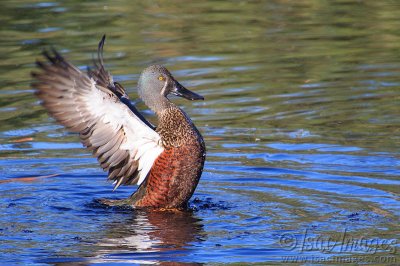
(156, 83)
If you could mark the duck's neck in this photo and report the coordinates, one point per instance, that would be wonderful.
(158, 104)
(176, 128)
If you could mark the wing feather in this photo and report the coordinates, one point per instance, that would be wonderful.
(126, 146)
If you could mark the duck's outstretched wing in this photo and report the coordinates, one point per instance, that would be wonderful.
(125, 145)
(103, 78)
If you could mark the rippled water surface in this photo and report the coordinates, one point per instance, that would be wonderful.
(301, 121)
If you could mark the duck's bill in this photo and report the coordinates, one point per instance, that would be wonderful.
(181, 91)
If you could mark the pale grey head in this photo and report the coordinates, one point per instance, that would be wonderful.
(156, 82)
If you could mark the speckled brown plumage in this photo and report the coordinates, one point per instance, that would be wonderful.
(176, 172)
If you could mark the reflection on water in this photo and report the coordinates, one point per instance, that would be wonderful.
(301, 121)
(145, 237)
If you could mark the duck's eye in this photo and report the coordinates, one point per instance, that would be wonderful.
(161, 78)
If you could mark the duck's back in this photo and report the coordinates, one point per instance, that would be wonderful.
(176, 172)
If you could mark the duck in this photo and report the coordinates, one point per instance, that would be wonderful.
(165, 160)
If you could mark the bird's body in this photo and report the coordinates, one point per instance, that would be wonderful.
(177, 170)
(165, 161)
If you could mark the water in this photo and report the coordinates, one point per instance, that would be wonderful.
(301, 121)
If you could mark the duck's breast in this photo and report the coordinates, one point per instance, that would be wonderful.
(173, 177)
(177, 170)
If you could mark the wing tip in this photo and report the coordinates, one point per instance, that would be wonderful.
(118, 183)
(102, 41)
(100, 49)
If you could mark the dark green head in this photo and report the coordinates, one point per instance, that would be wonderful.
(156, 83)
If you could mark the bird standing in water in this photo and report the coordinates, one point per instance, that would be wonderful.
(166, 161)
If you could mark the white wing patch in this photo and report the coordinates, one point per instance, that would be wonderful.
(142, 142)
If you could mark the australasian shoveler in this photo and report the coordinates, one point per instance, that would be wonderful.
(166, 161)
